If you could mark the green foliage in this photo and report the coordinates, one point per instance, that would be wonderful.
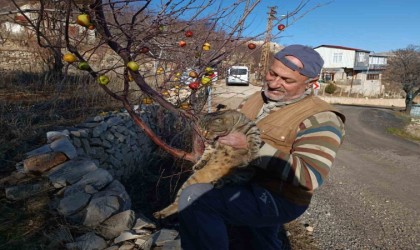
(331, 88)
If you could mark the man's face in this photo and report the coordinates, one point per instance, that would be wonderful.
(284, 84)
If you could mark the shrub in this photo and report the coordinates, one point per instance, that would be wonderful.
(331, 88)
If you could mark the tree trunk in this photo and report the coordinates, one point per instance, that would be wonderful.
(408, 101)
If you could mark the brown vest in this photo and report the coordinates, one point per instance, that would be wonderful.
(279, 129)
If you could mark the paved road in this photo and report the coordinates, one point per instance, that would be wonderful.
(231, 96)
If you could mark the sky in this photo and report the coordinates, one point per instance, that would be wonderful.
(373, 25)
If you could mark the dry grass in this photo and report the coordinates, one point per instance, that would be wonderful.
(33, 103)
(30, 105)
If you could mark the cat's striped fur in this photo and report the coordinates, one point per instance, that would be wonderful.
(220, 163)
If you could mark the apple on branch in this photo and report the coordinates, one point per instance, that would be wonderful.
(103, 79)
(83, 20)
(133, 66)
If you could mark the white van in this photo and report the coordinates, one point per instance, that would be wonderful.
(238, 75)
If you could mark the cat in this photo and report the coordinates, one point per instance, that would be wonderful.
(219, 163)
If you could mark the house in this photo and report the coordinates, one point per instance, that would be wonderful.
(355, 70)
(15, 25)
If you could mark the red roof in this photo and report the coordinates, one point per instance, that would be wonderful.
(341, 47)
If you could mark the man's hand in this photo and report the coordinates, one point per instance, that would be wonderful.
(235, 140)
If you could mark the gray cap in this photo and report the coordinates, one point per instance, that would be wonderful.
(311, 60)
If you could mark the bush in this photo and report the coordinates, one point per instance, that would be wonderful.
(331, 88)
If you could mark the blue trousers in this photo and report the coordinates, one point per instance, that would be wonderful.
(205, 214)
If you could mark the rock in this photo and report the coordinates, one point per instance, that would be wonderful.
(126, 235)
(100, 209)
(309, 229)
(25, 191)
(145, 243)
(127, 246)
(54, 135)
(143, 222)
(41, 150)
(101, 128)
(70, 172)
(73, 203)
(97, 179)
(164, 235)
(64, 145)
(113, 121)
(116, 224)
(43, 162)
(118, 190)
(88, 241)
(172, 245)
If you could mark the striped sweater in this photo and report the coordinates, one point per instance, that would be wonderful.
(301, 140)
(313, 152)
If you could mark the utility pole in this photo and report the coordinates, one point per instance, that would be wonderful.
(263, 64)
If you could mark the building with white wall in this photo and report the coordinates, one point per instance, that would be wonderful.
(355, 70)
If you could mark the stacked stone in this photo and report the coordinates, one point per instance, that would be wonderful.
(84, 193)
(17, 59)
(112, 141)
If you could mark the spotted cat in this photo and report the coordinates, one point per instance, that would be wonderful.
(220, 163)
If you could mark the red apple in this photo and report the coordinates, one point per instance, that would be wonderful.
(194, 85)
(144, 50)
(188, 33)
(281, 26)
(182, 43)
(251, 46)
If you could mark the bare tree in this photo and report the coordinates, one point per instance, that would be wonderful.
(403, 70)
(154, 43)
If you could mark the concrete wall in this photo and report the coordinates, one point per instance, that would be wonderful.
(365, 101)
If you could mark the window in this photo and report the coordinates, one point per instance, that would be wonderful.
(372, 77)
(338, 57)
(361, 56)
(238, 71)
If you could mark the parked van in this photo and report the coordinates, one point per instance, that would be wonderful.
(238, 75)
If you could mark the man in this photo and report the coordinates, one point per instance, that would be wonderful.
(301, 135)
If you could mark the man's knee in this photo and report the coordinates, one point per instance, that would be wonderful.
(192, 193)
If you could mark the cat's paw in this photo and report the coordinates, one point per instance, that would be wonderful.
(159, 215)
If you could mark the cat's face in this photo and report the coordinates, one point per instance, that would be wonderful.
(220, 123)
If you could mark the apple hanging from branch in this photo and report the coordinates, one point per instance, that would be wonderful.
(188, 33)
(133, 66)
(194, 85)
(251, 46)
(83, 20)
(69, 57)
(83, 66)
(103, 79)
(281, 27)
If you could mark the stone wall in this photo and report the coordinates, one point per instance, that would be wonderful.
(18, 58)
(114, 142)
(79, 172)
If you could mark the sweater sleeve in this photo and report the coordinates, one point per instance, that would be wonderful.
(313, 152)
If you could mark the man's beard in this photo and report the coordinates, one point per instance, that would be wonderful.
(272, 97)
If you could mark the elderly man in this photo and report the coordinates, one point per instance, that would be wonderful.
(301, 135)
